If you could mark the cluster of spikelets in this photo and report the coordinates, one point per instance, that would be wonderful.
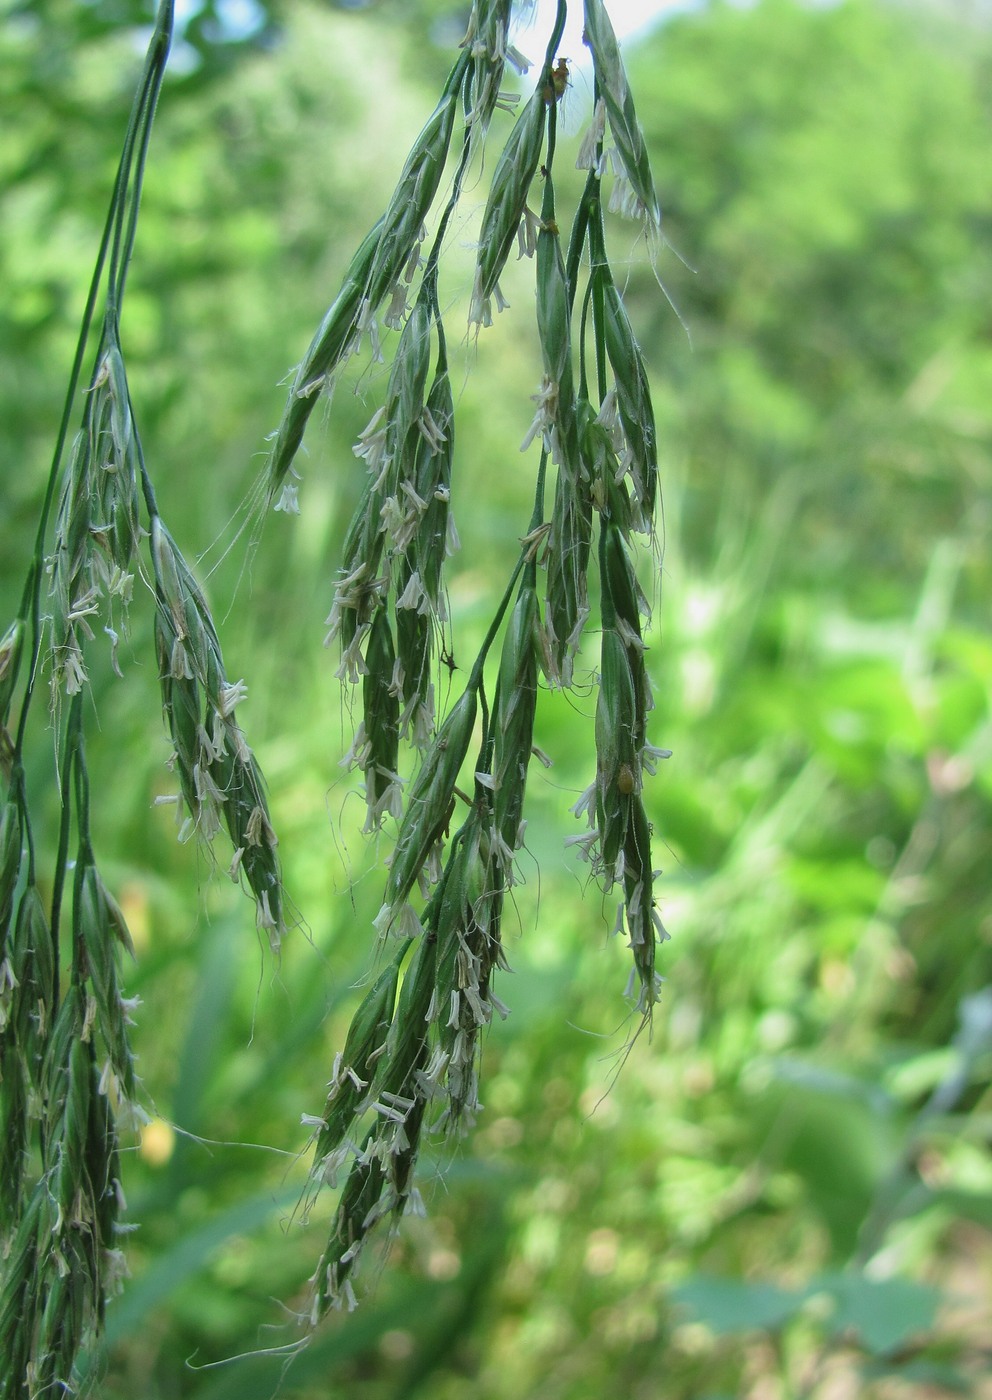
(66, 1068)
(410, 1063)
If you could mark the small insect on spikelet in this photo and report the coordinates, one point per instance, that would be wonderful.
(554, 89)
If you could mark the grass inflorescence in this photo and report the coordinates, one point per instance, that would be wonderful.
(67, 1072)
(411, 1061)
(410, 1064)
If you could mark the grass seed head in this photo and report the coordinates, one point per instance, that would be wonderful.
(514, 710)
(486, 42)
(33, 962)
(10, 860)
(567, 588)
(363, 1048)
(430, 801)
(96, 929)
(633, 406)
(11, 649)
(414, 194)
(330, 345)
(381, 721)
(506, 203)
(626, 131)
(218, 774)
(616, 750)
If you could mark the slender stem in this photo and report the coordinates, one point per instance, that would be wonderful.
(583, 382)
(537, 518)
(138, 134)
(430, 271)
(577, 238)
(475, 677)
(561, 15)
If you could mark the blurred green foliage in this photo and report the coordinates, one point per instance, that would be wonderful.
(792, 1180)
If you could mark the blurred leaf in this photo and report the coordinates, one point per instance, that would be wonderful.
(882, 1313)
(729, 1305)
(921, 1372)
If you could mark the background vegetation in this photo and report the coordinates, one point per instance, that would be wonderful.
(789, 1190)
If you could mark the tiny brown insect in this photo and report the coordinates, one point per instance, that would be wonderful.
(625, 779)
(554, 89)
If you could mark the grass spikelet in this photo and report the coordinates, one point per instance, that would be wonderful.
(486, 42)
(389, 513)
(567, 606)
(354, 1070)
(13, 1138)
(420, 603)
(505, 206)
(374, 271)
(616, 751)
(378, 746)
(97, 926)
(513, 725)
(11, 650)
(380, 1179)
(32, 957)
(332, 1284)
(416, 189)
(20, 1300)
(218, 774)
(429, 805)
(553, 323)
(611, 80)
(469, 925)
(10, 860)
(330, 345)
(633, 401)
(97, 526)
